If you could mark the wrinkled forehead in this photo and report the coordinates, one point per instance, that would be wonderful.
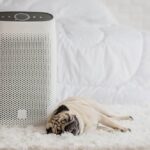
(63, 115)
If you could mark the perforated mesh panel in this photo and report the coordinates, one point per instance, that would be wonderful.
(25, 78)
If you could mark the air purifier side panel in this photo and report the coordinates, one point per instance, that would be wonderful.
(53, 68)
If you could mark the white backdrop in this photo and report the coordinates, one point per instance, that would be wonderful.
(135, 13)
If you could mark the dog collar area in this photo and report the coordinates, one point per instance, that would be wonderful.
(25, 16)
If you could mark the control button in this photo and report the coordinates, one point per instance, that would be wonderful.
(22, 114)
(34, 16)
(21, 16)
(2, 16)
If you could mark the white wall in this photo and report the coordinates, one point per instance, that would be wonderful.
(134, 13)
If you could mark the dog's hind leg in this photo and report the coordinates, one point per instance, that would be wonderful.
(127, 117)
(121, 117)
(104, 120)
(100, 109)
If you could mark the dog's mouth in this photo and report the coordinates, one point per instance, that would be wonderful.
(49, 131)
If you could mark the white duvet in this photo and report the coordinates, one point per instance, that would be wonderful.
(97, 58)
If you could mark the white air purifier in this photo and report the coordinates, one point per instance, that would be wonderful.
(27, 67)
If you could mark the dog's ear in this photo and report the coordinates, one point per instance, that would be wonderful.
(61, 109)
(73, 126)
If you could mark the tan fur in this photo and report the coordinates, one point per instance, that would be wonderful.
(89, 113)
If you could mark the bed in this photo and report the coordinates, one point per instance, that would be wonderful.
(97, 58)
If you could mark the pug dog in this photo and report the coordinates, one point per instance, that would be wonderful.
(77, 115)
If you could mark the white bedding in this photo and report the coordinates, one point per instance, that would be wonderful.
(97, 58)
(101, 69)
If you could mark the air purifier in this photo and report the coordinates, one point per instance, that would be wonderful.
(27, 67)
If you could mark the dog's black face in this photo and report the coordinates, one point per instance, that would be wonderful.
(62, 121)
(73, 126)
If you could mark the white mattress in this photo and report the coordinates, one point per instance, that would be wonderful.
(97, 58)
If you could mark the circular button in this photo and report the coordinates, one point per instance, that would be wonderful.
(21, 16)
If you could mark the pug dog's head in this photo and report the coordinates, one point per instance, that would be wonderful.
(61, 121)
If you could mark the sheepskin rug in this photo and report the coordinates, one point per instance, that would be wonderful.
(35, 138)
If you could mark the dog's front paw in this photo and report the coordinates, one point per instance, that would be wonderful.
(125, 129)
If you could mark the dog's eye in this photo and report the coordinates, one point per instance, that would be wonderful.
(49, 130)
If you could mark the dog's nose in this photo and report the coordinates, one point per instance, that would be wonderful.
(47, 131)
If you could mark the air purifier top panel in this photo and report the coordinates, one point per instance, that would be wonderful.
(25, 16)
(26, 22)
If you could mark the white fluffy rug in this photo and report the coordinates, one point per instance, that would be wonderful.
(32, 138)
